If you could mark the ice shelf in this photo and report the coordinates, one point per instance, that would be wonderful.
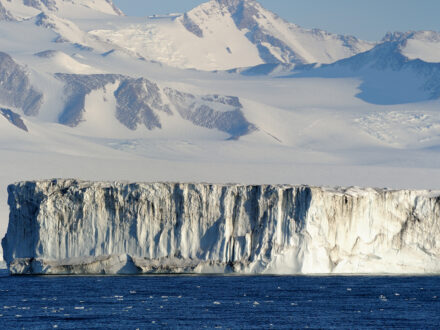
(78, 227)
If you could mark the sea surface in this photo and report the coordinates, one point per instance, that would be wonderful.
(278, 302)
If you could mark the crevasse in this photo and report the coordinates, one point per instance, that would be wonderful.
(77, 227)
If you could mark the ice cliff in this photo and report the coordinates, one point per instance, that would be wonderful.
(76, 227)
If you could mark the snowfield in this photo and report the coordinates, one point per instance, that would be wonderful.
(108, 97)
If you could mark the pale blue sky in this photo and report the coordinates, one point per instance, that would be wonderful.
(366, 19)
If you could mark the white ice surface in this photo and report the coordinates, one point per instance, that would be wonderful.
(71, 227)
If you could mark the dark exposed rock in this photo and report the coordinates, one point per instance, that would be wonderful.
(76, 89)
(41, 4)
(203, 112)
(191, 26)
(116, 9)
(243, 12)
(47, 53)
(45, 21)
(140, 101)
(233, 101)
(232, 122)
(137, 100)
(13, 118)
(5, 15)
(52, 5)
(16, 89)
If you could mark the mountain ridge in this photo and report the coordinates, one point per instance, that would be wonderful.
(273, 36)
(25, 9)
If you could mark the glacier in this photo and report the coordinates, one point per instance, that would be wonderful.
(67, 226)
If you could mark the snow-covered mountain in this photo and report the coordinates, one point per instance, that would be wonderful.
(277, 41)
(135, 101)
(85, 92)
(24, 9)
(226, 34)
(403, 68)
(422, 45)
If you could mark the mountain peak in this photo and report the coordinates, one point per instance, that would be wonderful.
(401, 37)
(234, 3)
(397, 36)
(275, 40)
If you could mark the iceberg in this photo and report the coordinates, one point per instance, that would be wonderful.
(67, 226)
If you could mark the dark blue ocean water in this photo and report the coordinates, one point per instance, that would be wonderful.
(141, 302)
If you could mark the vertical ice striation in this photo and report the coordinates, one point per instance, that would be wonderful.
(70, 226)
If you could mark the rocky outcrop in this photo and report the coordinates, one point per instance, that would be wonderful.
(53, 5)
(191, 26)
(77, 87)
(212, 111)
(75, 227)
(14, 118)
(41, 4)
(16, 89)
(5, 14)
(137, 101)
(141, 101)
(388, 76)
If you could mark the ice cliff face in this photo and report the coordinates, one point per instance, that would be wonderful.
(74, 227)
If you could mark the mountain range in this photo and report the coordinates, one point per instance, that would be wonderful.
(228, 91)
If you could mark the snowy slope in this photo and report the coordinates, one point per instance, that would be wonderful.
(166, 40)
(67, 31)
(24, 9)
(60, 62)
(423, 45)
(392, 72)
(230, 34)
